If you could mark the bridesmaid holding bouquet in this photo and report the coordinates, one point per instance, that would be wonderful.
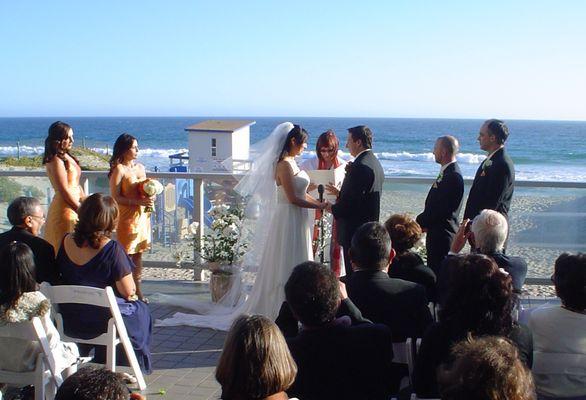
(134, 225)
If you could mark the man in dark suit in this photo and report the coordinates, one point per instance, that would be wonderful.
(27, 218)
(494, 181)
(335, 359)
(399, 304)
(359, 198)
(442, 205)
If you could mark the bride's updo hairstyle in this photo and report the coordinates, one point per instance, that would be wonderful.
(97, 219)
(298, 134)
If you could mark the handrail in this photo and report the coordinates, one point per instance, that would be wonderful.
(229, 175)
(200, 177)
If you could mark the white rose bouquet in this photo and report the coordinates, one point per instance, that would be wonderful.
(149, 188)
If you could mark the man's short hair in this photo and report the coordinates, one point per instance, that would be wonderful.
(371, 246)
(490, 231)
(93, 383)
(498, 128)
(570, 280)
(313, 294)
(450, 144)
(362, 133)
(20, 208)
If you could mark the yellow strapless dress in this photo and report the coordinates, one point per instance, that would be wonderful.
(61, 218)
(134, 225)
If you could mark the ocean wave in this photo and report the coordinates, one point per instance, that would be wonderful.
(464, 158)
(24, 150)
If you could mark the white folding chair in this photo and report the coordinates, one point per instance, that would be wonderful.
(116, 333)
(44, 377)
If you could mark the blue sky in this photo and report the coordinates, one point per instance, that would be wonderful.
(512, 59)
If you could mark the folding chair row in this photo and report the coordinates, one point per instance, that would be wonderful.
(116, 333)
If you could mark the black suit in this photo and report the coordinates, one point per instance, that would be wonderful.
(359, 199)
(440, 216)
(43, 253)
(340, 362)
(399, 304)
(492, 187)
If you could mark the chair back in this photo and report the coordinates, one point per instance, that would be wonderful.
(559, 363)
(32, 330)
(116, 334)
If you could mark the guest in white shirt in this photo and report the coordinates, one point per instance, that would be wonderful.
(559, 333)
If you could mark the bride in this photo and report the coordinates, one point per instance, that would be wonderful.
(277, 187)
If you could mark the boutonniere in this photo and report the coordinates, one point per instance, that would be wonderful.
(348, 166)
(440, 177)
(487, 163)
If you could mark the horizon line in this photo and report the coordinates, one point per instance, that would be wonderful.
(289, 117)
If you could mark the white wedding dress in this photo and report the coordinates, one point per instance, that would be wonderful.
(288, 244)
(284, 234)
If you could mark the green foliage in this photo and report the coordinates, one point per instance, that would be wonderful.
(26, 162)
(9, 189)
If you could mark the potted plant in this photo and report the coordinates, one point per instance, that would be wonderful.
(222, 248)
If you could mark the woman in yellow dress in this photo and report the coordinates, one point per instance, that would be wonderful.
(134, 225)
(63, 171)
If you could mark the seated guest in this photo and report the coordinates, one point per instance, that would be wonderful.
(559, 333)
(399, 304)
(335, 360)
(486, 368)
(21, 301)
(255, 361)
(480, 302)
(95, 384)
(27, 218)
(487, 235)
(88, 257)
(405, 233)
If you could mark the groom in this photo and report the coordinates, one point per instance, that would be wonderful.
(359, 198)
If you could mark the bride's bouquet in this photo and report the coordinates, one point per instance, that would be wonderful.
(149, 188)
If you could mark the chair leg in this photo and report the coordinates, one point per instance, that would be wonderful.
(111, 356)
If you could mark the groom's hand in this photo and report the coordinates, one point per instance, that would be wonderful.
(332, 190)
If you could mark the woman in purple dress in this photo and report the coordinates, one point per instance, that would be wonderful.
(88, 257)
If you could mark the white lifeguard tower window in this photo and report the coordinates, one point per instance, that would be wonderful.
(214, 147)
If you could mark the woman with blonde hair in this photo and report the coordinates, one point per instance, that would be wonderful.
(255, 362)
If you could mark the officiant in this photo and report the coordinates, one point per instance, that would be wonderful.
(358, 201)
(326, 158)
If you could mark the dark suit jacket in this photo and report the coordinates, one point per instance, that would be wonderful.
(440, 216)
(43, 252)
(492, 187)
(342, 362)
(289, 325)
(409, 266)
(515, 266)
(399, 304)
(359, 199)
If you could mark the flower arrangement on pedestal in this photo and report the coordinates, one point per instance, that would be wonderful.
(222, 248)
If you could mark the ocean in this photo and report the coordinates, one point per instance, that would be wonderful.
(541, 150)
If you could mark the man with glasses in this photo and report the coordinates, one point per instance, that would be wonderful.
(27, 218)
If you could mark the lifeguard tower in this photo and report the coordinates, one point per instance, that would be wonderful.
(213, 141)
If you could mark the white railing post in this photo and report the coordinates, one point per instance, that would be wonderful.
(86, 186)
(198, 209)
